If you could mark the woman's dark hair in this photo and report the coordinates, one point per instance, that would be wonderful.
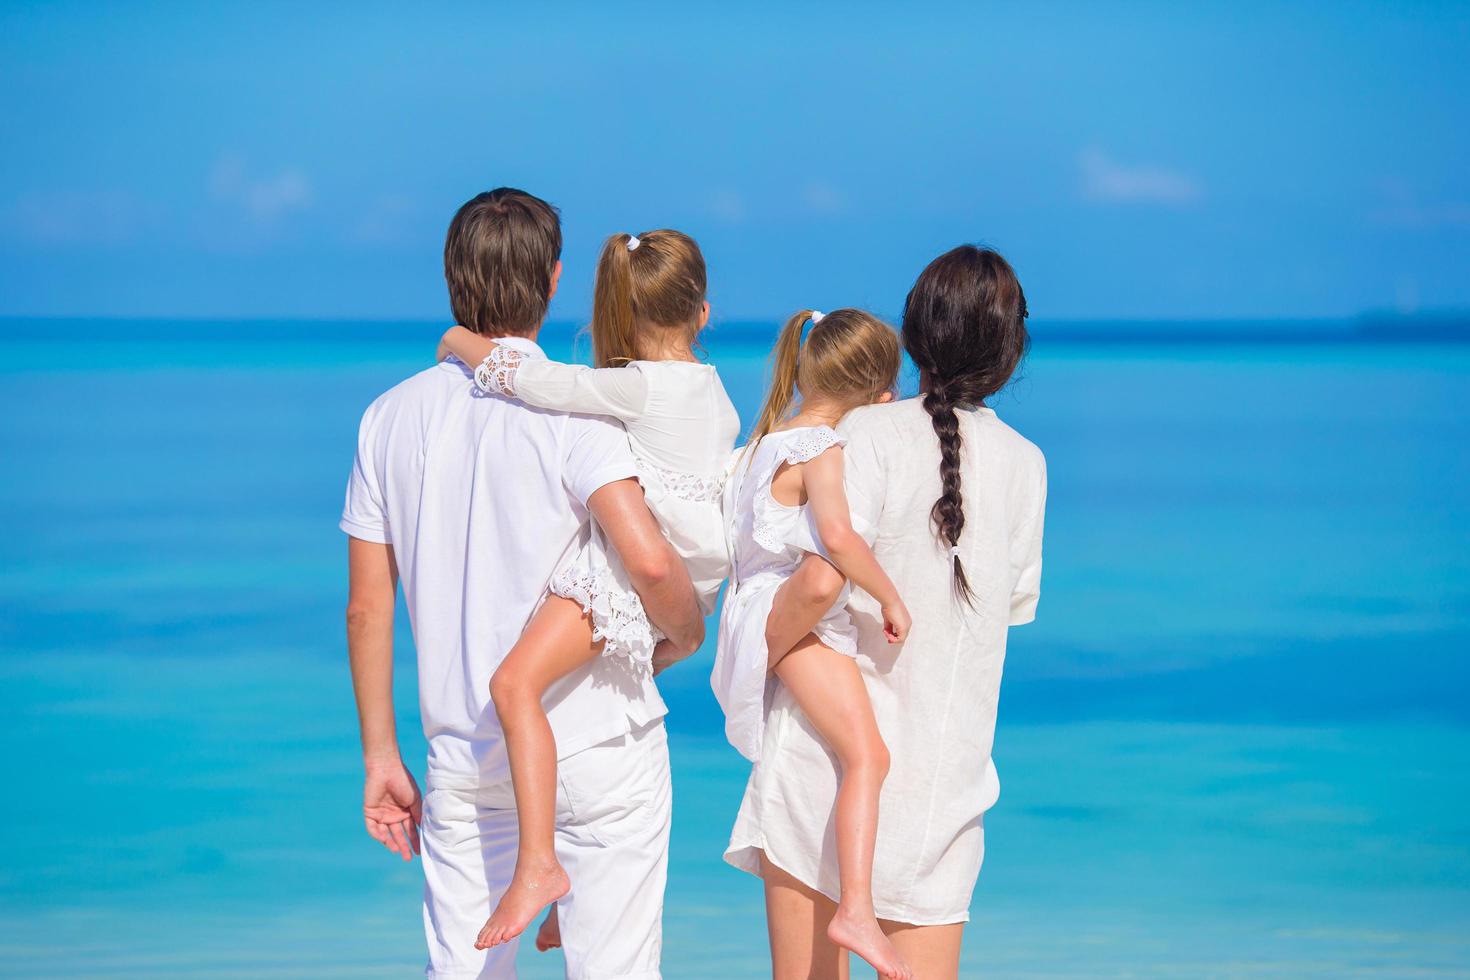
(964, 327)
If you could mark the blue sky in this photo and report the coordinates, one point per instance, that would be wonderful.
(1133, 160)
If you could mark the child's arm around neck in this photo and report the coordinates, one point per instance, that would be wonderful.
(620, 393)
(465, 344)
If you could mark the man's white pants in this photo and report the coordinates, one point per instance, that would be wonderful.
(613, 806)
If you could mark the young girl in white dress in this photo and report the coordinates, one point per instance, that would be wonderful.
(784, 500)
(648, 308)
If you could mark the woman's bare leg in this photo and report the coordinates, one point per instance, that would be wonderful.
(557, 641)
(932, 952)
(797, 918)
(830, 691)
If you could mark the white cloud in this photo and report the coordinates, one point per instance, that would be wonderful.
(727, 205)
(1403, 208)
(823, 198)
(77, 217)
(1104, 179)
(387, 220)
(265, 198)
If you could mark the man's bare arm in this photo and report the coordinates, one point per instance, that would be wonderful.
(653, 566)
(800, 604)
(391, 801)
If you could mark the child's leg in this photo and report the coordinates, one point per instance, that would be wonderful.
(829, 689)
(557, 641)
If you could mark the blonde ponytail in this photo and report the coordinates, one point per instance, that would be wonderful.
(783, 377)
(850, 358)
(614, 342)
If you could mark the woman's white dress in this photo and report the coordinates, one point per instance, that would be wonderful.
(935, 694)
(767, 541)
(682, 428)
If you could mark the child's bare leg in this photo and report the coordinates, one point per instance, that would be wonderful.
(829, 688)
(800, 603)
(557, 641)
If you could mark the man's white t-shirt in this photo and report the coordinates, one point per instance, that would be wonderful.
(480, 497)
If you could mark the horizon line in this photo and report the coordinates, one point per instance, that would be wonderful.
(1451, 315)
(1369, 329)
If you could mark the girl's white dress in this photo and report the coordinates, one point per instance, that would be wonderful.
(767, 541)
(682, 428)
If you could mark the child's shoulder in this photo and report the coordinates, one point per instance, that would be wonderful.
(803, 443)
(680, 380)
(676, 374)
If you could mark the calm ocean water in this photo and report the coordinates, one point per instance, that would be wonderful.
(1234, 744)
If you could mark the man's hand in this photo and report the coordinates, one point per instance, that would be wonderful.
(392, 808)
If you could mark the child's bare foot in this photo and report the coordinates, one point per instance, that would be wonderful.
(531, 890)
(861, 934)
(549, 935)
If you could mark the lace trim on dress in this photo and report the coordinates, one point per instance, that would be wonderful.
(497, 373)
(617, 615)
(811, 443)
(697, 487)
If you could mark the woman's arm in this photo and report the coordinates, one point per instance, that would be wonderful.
(621, 393)
(822, 479)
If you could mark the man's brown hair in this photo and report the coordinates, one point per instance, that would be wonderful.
(499, 256)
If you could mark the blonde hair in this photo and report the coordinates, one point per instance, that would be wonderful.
(850, 356)
(659, 281)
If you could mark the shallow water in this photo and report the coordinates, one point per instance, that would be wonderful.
(1233, 744)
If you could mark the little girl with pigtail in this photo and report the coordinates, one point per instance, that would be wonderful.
(784, 500)
(648, 309)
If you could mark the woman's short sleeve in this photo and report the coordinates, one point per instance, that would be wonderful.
(1026, 559)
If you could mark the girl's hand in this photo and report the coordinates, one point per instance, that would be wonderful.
(896, 621)
(442, 354)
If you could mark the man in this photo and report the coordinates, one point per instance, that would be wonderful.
(473, 500)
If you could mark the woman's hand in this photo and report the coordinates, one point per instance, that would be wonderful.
(896, 621)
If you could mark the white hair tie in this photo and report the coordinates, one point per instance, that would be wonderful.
(954, 552)
(817, 317)
(633, 242)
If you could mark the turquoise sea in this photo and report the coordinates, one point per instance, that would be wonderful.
(1234, 744)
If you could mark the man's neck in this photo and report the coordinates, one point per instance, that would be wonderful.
(532, 336)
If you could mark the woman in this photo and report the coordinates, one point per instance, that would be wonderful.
(954, 498)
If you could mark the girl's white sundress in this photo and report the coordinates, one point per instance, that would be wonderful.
(767, 541)
(682, 427)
